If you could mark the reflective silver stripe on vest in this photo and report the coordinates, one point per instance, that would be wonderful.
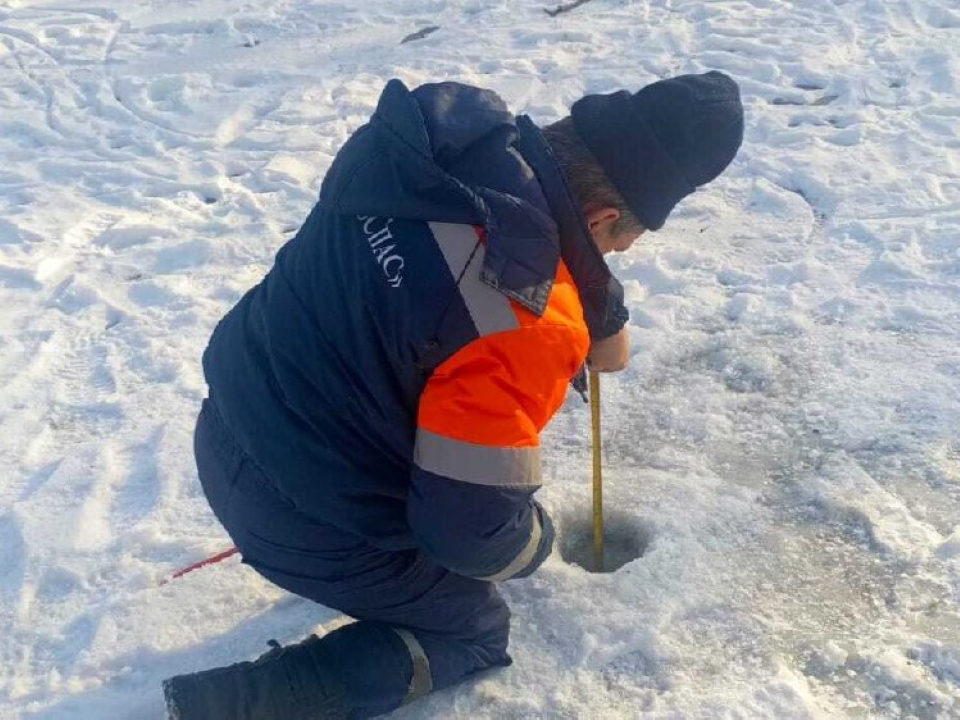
(521, 561)
(480, 464)
(490, 309)
(422, 681)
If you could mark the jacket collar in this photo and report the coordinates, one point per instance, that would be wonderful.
(582, 257)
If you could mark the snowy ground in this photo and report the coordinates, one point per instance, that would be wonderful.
(784, 441)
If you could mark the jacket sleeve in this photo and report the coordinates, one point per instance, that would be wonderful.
(477, 456)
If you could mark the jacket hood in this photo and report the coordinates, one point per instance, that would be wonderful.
(444, 153)
(449, 152)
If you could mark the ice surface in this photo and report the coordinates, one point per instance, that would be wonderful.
(784, 442)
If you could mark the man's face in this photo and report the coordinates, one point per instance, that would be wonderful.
(619, 242)
(601, 222)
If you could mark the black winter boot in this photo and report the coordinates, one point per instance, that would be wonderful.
(297, 682)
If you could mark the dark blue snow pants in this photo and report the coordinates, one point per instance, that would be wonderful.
(407, 605)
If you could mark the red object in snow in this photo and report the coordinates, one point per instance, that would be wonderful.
(203, 563)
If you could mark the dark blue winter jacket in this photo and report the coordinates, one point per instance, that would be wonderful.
(391, 373)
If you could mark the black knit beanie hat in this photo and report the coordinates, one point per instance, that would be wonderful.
(658, 145)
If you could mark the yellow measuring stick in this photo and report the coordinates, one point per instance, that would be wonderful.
(597, 472)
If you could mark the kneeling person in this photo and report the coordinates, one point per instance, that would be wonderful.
(371, 436)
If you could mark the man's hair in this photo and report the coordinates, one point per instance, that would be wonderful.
(584, 175)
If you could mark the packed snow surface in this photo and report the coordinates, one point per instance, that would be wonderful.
(783, 446)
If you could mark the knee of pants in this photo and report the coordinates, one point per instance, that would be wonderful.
(493, 628)
(480, 643)
(451, 661)
(467, 611)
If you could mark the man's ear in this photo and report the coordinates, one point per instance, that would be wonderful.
(600, 217)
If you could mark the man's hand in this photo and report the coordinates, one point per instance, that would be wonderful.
(611, 354)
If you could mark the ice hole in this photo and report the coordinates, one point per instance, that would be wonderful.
(625, 538)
